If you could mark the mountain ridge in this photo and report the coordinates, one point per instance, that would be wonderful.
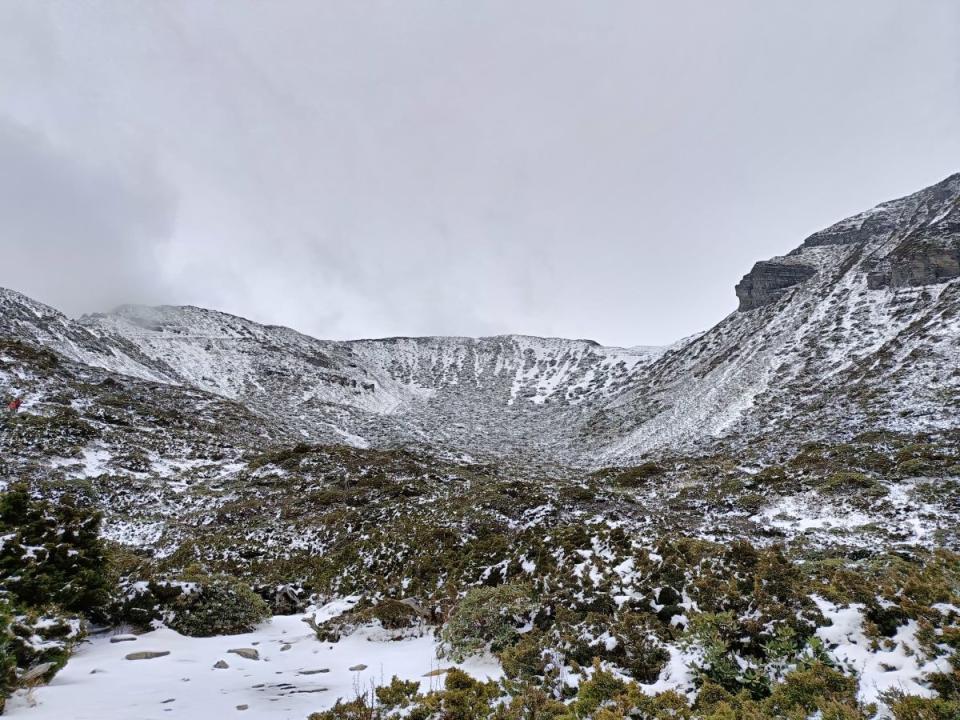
(881, 285)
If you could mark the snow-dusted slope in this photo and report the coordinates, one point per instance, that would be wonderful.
(857, 329)
(487, 396)
(867, 336)
(26, 319)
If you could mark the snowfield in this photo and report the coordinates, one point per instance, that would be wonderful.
(295, 674)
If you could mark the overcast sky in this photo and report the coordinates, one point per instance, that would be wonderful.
(596, 169)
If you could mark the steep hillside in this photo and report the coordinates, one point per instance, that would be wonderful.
(857, 329)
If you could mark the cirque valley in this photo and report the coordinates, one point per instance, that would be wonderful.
(760, 520)
(854, 330)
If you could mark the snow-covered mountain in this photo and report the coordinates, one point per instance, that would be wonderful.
(857, 329)
(492, 396)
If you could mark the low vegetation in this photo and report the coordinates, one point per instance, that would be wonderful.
(588, 589)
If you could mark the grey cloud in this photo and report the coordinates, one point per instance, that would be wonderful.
(74, 235)
(362, 168)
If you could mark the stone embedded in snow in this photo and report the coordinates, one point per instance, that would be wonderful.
(242, 707)
(147, 654)
(315, 672)
(123, 638)
(37, 672)
(358, 668)
(285, 648)
(248, 653)
(220, 665)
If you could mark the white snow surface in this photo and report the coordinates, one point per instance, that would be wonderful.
(98, 683)
(898, 664)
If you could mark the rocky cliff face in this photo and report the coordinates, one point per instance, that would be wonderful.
(857, 329)
(768, 281)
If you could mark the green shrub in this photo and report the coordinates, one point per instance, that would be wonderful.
(52, 554)
(534, 704)
(842, 482)
(487, 617)
(637, 650)
(395, 615)
(391, 614)
(30, 640)
(525, 658)
(218, 606)
(462, 698)
(357, 709)
(816, 688)
(8, 658)
(600, 688)
(914, 466)
(631, 477)
(911, 707)
(398, 694)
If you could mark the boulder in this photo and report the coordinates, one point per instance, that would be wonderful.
(248, 653)
(147, 654)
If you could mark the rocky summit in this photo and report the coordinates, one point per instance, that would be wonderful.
(758, 521)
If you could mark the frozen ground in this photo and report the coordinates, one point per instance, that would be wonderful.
(99, 683)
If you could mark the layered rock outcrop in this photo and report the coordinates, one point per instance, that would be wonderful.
(768, 280)
(928, 255)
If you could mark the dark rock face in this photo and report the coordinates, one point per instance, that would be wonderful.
(851, 232)
(917, 264)
(927, 256)
(768, 280)
(891, 217)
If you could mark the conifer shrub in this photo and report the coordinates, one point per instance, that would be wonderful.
(392, 615)
(853, 482)
(218, 605)
(912, 707)
(8, 658)
(398, 694)
(487, 617)
(32, 641)
(52, 554)
(199, 606)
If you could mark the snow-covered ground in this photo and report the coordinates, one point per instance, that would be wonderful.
(295, 674)
(896, 664)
